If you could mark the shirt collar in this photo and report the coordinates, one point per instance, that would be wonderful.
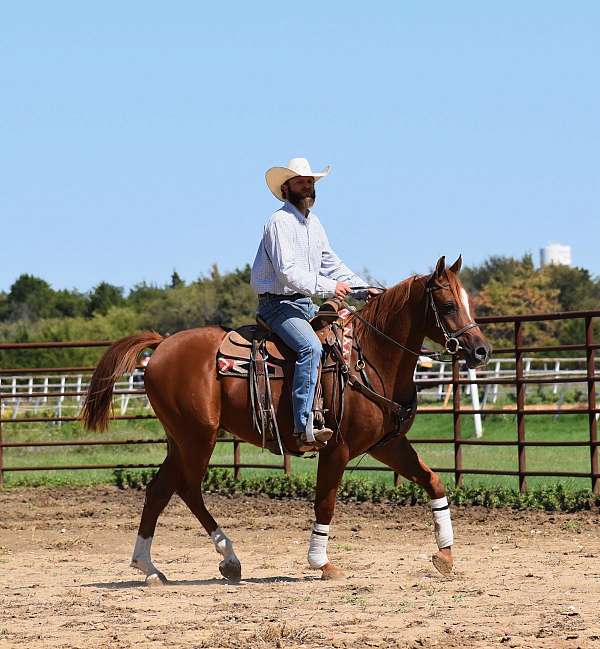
(290, 207)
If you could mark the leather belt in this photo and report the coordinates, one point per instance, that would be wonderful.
(274, 296)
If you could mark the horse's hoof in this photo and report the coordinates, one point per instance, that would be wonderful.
(156, 579)
(330, 572)
(231, 569)
(443, 563)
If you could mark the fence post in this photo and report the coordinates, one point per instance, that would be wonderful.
(236, 459)
(520, 405)
(287, 464)
(476, 405)
(495, 388)
(591, 386)
(1, 447)
(458, 478)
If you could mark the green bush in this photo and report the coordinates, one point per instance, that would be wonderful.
(221, 481)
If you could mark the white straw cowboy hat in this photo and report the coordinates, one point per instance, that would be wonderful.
(276, 176)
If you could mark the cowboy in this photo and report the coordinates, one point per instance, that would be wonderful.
(294, 262)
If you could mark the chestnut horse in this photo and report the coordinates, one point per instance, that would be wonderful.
(193, 403)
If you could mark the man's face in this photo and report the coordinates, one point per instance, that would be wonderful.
(299, 189)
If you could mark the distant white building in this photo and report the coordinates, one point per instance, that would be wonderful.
(555, 253)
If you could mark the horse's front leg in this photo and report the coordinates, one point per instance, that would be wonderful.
(399, 455)
(332, 462)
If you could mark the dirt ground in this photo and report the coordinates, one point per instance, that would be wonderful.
(522, 579)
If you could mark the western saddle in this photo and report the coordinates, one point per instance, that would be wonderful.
(255, 353)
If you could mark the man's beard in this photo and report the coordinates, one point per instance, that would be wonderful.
(300, 201)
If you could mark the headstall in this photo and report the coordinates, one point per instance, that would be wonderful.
(452, 344)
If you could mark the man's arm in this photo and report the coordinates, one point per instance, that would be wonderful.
(279, 245)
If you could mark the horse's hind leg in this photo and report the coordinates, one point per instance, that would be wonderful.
(402, 457)
(158, 495)
(197, 456)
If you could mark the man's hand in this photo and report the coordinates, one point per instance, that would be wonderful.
(342, 289)
(372, 292)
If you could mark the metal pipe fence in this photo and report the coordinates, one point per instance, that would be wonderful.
(19, 386)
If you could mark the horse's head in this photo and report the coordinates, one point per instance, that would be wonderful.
(449, 320)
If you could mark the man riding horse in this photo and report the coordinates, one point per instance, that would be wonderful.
(294, 262)
(371, 409)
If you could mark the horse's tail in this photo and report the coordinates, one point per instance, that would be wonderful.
(120, 358)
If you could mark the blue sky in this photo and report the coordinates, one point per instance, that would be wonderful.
(134, 136)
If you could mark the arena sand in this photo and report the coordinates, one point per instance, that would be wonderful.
(523, 579)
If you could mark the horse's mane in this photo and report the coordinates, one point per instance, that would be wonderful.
(380, 308)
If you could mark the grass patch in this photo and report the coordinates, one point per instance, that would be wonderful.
(496, 427)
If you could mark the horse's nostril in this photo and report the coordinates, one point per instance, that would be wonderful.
(481, 352)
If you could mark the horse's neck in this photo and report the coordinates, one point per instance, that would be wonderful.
(396, 366)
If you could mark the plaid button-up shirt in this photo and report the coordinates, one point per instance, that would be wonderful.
(294, 256)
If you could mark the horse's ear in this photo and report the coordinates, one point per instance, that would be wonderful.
(440, 267)
(457, 265)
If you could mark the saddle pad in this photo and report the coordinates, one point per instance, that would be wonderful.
(347, 334)
(227, 366)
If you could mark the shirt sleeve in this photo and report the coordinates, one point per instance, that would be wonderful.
(279, 243)
(334, 268)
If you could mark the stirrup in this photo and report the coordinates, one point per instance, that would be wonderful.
(322, 436)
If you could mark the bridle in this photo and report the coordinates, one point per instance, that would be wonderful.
(401, 413)
(452, 343)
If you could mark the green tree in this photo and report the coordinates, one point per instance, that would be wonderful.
(236, 302)
(527, 291)
(29, 298)
(496, 267)
(142, 294)
(4, 306)
(222, 299)
(577, 290)
(69, 304)
(179, 308)
(176, 281)
(103, 297)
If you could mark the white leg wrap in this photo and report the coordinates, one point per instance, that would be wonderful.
(230, 567)
(141, 557)
(442, 522)
(223, 545)
(317, 549)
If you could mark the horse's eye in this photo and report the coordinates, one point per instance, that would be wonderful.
(448, 308)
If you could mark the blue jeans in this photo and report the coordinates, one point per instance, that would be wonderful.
(289, 320)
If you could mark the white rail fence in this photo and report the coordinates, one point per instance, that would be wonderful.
(24, 395)
(31, 395)
(505, 368)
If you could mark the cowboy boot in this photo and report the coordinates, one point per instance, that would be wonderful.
(322, 436)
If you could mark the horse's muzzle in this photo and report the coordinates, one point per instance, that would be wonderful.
(476, 351)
